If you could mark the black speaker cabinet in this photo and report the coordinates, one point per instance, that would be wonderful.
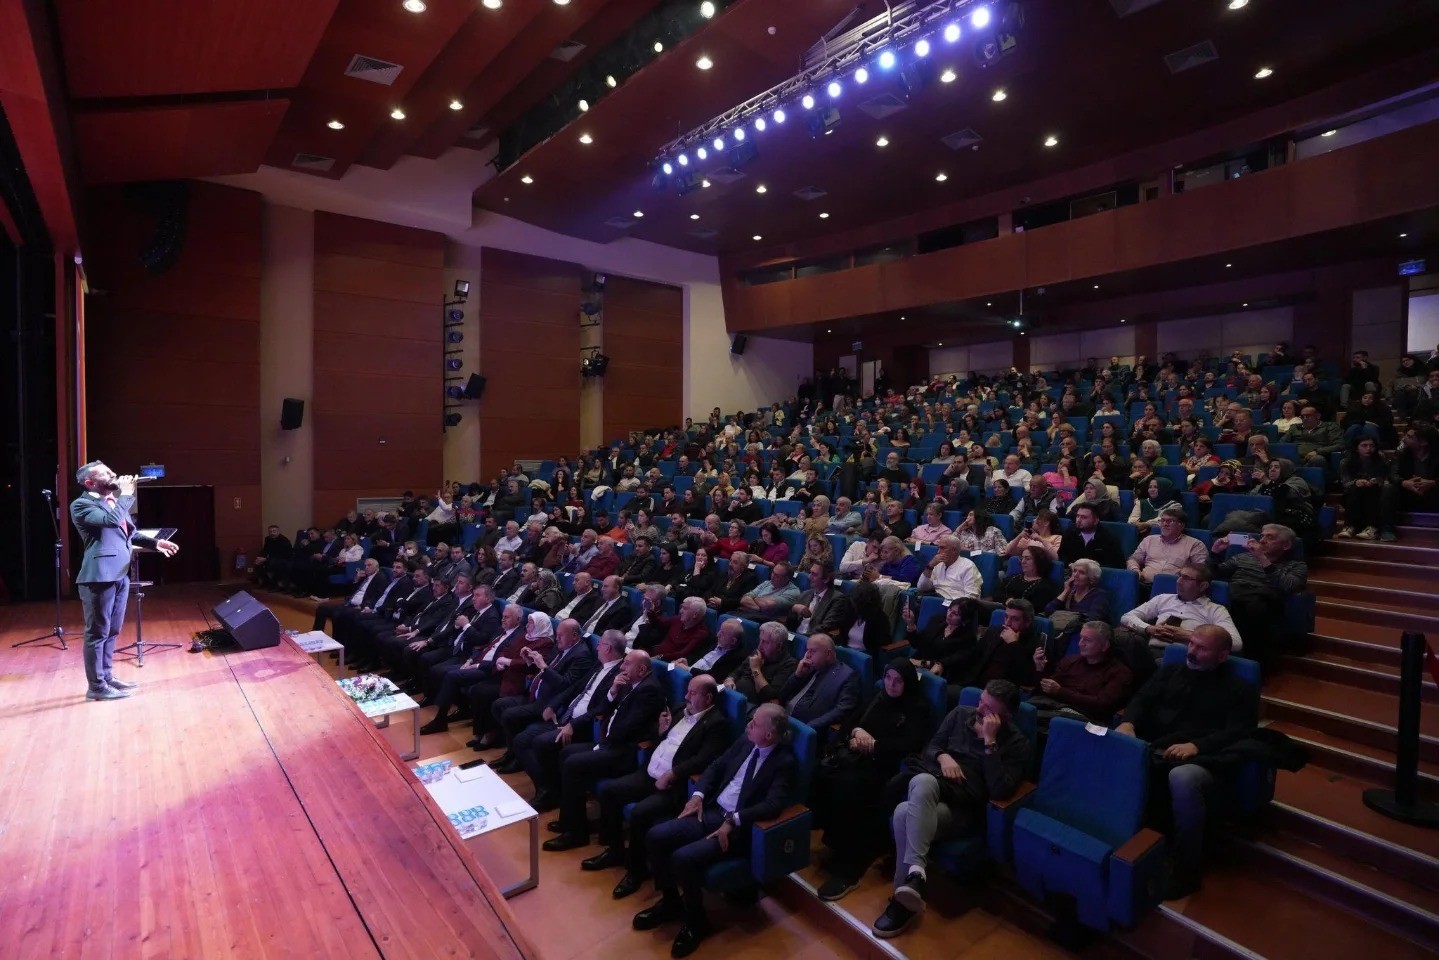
(249, 621)
(737, 345)
(474, 387)
(292, 414)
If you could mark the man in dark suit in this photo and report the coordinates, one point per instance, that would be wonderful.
(418, 628)
(823, 608)
(636, 698)
(370, 582)
(614, 611)
(441, 646)
(723, 657)
(694, 734)
(753, 780)
(507, 575)
(823, 690)
(344, 622)
(367, 633)
(568, 718)
(560, 678)
(582, 604)
(101, 516)
(642, 566)
(741, 580)
(1086, 539)
(473, 652)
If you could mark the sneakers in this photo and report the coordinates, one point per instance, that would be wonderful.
(893, 921)
(105, 692)
(836, 887)
(910, 894)
(1368, 533)
(1344, 533)
(1387, 536)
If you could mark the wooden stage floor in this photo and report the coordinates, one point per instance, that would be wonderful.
(236, 806)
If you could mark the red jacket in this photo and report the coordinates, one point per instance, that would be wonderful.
(681, 642)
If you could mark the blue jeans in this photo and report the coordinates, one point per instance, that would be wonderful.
(1189, 789)
(104, 606)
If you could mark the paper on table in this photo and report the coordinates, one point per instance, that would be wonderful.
(473, 773)
(510, 809)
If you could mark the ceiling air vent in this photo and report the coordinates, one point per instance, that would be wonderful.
(620, 223)
(960, 139)
(312, 161)
(810, 193)
(567, 51)
(1124, 8)
(883, 106)
(704, 233)
(373, 69)
(1201, 53)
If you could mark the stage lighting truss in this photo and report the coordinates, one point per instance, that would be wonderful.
(593, 363)
(910, 36)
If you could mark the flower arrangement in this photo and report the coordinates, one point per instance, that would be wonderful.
(367, 687)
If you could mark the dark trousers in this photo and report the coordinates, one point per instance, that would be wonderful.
(582, 766)
(455, 684)
(681, 851)
(104, 608)
(539, 752)
(331, 612)
(491, 719)
(1368, 507)
(651, 806)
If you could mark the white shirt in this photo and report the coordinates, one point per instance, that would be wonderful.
(591, 623)
(1019, 479)
(565, 611)
(511, 544)
(814, 601)
(499, 641)
(352, 554)
(443, 513)
(582, 703)
(955, 581)
(853, 560)
(708, 661)
(728, 799)
(664, 756)
(357, 598)
(1191, 614)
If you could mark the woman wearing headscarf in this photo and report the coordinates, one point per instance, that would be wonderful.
(1293, 500)
(1095, 494)
(850, 779)
(548, 596)
(1158, 494)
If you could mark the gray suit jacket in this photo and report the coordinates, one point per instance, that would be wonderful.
(107, 544)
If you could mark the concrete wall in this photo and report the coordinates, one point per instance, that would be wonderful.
(287, 369)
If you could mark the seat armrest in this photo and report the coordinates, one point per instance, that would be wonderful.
(897, 645)
(999, 822)
(1138, 845)
(1020, 792)
(785, 816)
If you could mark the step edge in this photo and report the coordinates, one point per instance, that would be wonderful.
(1208, 933)
(1392, 848)
(1367, 586)
(1364, 758)
(1416, 913)
(857, 926)
(1360, 721)
(1375, 674)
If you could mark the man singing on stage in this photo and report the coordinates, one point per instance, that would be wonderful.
(102, 516)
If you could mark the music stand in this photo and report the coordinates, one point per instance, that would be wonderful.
(137, 590)
(57, 632)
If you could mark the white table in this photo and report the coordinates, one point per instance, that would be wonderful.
(317, 642)
(382, 708)
(477, 801)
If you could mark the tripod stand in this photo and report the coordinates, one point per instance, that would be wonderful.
(57, 632)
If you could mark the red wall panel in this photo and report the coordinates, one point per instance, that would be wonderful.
(644, 339)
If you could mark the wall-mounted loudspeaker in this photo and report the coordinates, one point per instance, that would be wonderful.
(292, 414)
(737, 346)
(474, 387)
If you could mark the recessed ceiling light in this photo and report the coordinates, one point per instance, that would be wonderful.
(705, 184)
(999, 95)
(941, 343)
(1096, 286)
(562, 3)
(1403, 235)
(493, 4)
(639, 214)
(335, 125)
(756, 237)
(948, 76)
(941, 177)
(1122, 320)
(610, 81)
(527, 179)
(824, 216)
(694, 216)
(707, 9)
(1244, 304)
(882, 142)
(1051, 141)
(456, 105)
(1263, 72)
(761, 189)
(414, 6)
(659, 46)
(1228, 266)
(704, 62)
(1329, 133)
(1238, 4)
(397, 114)
(586, 138)
(584, 105)
(829, 331)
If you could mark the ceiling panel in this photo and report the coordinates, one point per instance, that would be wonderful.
(171, 143)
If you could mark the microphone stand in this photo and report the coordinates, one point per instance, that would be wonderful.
(57, 632)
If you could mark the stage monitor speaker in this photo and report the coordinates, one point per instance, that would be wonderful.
(249, 621)
(737, 345)
(292, 414)
(474, 387)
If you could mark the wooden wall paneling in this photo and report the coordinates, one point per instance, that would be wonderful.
(376, 407)
(173, 360)
(644, 339)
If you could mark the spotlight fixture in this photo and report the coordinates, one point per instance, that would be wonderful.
(718, 143)
(591, 308)
(921, 49)
(824, 216)
(702, 153)
(886, 60)
(883, 141)
(586, 138)
(704, 62)
(822, 122)
(861, 75)
(462, 290)
(453, 419)
(980, 18)
(999, 96)
(668, 168)
(1051, 141)
(335, 125)
(1263, 73)
(833, 89)
(694, 216)
(948, 76)
(707, 9)
(1329, 133)
(584, 105)
(455, 316)
(639, 214)
(756, 237)
(456, 105)
(454, 363)
(683, 160)
(779, 115)
(455, 336)
(1238, 4)
(414, 6)
(941, 177)
(761, 189)
(562, 3)
(659, 47)
(807, 101)
(397, 114)
(493, 4)
(610, 81)
(453, 392)
(759, 124)
(951, 33)
(527, 179)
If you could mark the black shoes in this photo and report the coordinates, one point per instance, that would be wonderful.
(628, 884)
(120, 684)
(611, 857)
(545, 801)
(1177, 882)
(565, 841)
(837, 886)
(689, 938)
(910, 894)
(437, 725)
(104, 692)
(667, 909)
(893, 921)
